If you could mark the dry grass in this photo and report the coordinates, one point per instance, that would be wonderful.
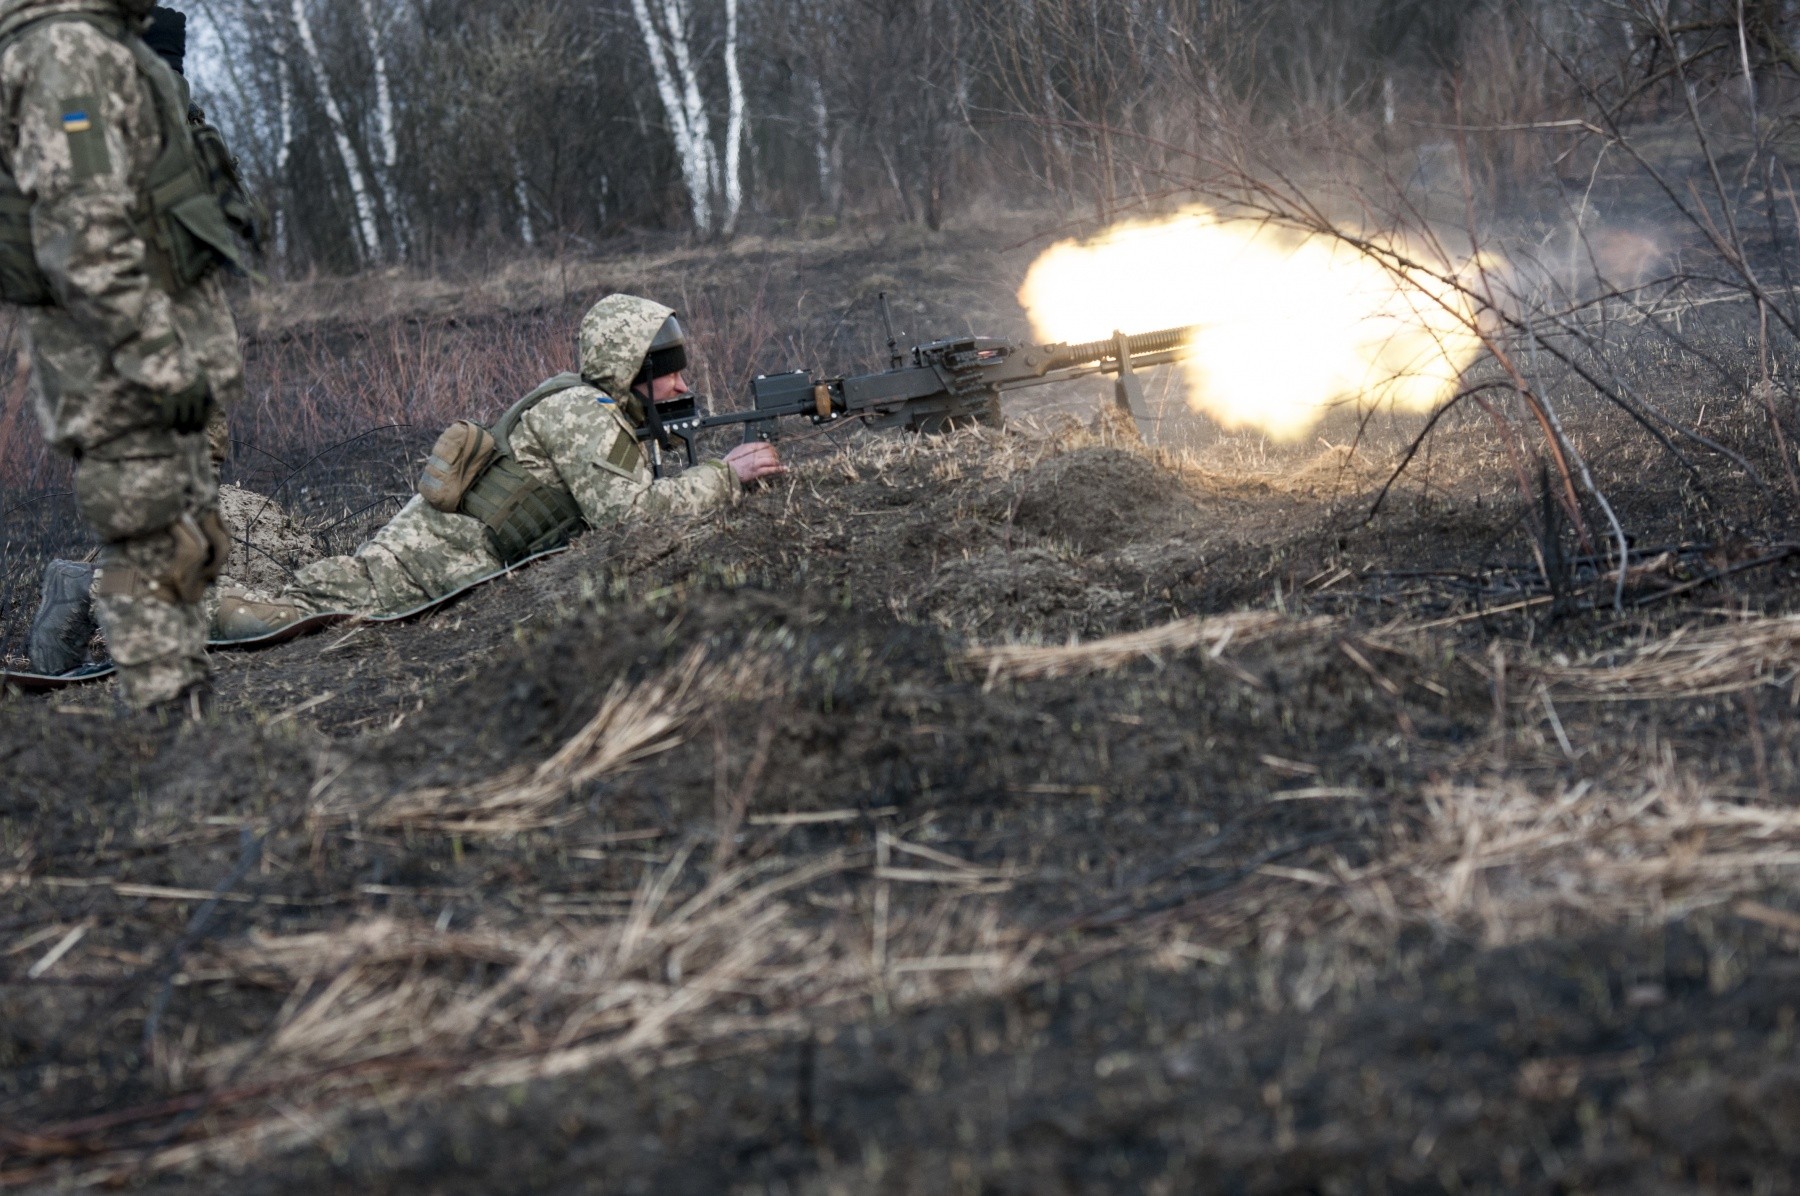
(1495, 856)
(1511, 863)
(1026, 662)
(1689, 664)
(1500, 863)
(634, 722)
(385, 1010)
(378, 1010)
(518, 284)
(1497, 863)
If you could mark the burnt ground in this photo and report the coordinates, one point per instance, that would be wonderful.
(720, 856)
(1067, 936)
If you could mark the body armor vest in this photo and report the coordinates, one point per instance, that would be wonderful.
(523, 516)
(181, 215)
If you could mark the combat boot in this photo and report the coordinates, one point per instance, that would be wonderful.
(244, 617)
(65, 619)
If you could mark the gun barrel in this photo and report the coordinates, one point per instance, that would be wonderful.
(1150, 342)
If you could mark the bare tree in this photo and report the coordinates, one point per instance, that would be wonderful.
(386, 127)
(368, 230)
(712, 175)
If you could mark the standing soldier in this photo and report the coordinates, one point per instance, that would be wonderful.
(113, 230)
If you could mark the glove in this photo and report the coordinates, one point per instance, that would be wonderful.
(186, 411)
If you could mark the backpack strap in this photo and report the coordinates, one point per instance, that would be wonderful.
(503, 427)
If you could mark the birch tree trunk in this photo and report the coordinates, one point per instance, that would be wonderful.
(693, 103)
(386, 131)
(366, 228)
(522, 195)
(823, 149)
(693, 148)
(284, 150)
(734, 124)
(713, 177)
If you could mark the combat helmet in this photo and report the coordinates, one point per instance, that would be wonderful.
(619, 334)
(627, 340)
(668, 352)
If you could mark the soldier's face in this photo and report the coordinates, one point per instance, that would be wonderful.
(669, 387)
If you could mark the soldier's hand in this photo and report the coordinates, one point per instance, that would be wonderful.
(755, 461)
(187, 411)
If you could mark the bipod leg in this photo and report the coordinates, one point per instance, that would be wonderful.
(1128, 390)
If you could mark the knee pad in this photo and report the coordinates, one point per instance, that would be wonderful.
(201, 546)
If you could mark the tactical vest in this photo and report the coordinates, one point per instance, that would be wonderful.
(180, 215)
(523, 516)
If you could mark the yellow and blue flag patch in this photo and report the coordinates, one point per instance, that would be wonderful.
(87, 136)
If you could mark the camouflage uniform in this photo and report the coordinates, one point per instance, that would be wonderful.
(115, 341)
(582, 441)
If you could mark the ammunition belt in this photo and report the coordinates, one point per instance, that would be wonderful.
(523, 516)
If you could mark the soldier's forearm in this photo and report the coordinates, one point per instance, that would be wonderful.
(706, 486)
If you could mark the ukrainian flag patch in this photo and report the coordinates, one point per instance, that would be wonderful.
(88, 156)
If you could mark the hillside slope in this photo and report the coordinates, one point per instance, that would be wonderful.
(1021, 812)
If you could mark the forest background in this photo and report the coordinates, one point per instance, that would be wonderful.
(386, 131)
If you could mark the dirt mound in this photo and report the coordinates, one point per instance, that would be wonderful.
(1018, 535)
(266, 544)
(1029, 593)
(1094, 499)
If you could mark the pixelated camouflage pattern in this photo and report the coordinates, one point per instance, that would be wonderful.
(421, 554)
(615, 338)
(140, 484)
(114, 340)
(131, 491)
(578, 441)
(266, 547)
(571, 441)
(14, 13)
(159, 648)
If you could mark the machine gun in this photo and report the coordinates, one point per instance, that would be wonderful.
(931, 388)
